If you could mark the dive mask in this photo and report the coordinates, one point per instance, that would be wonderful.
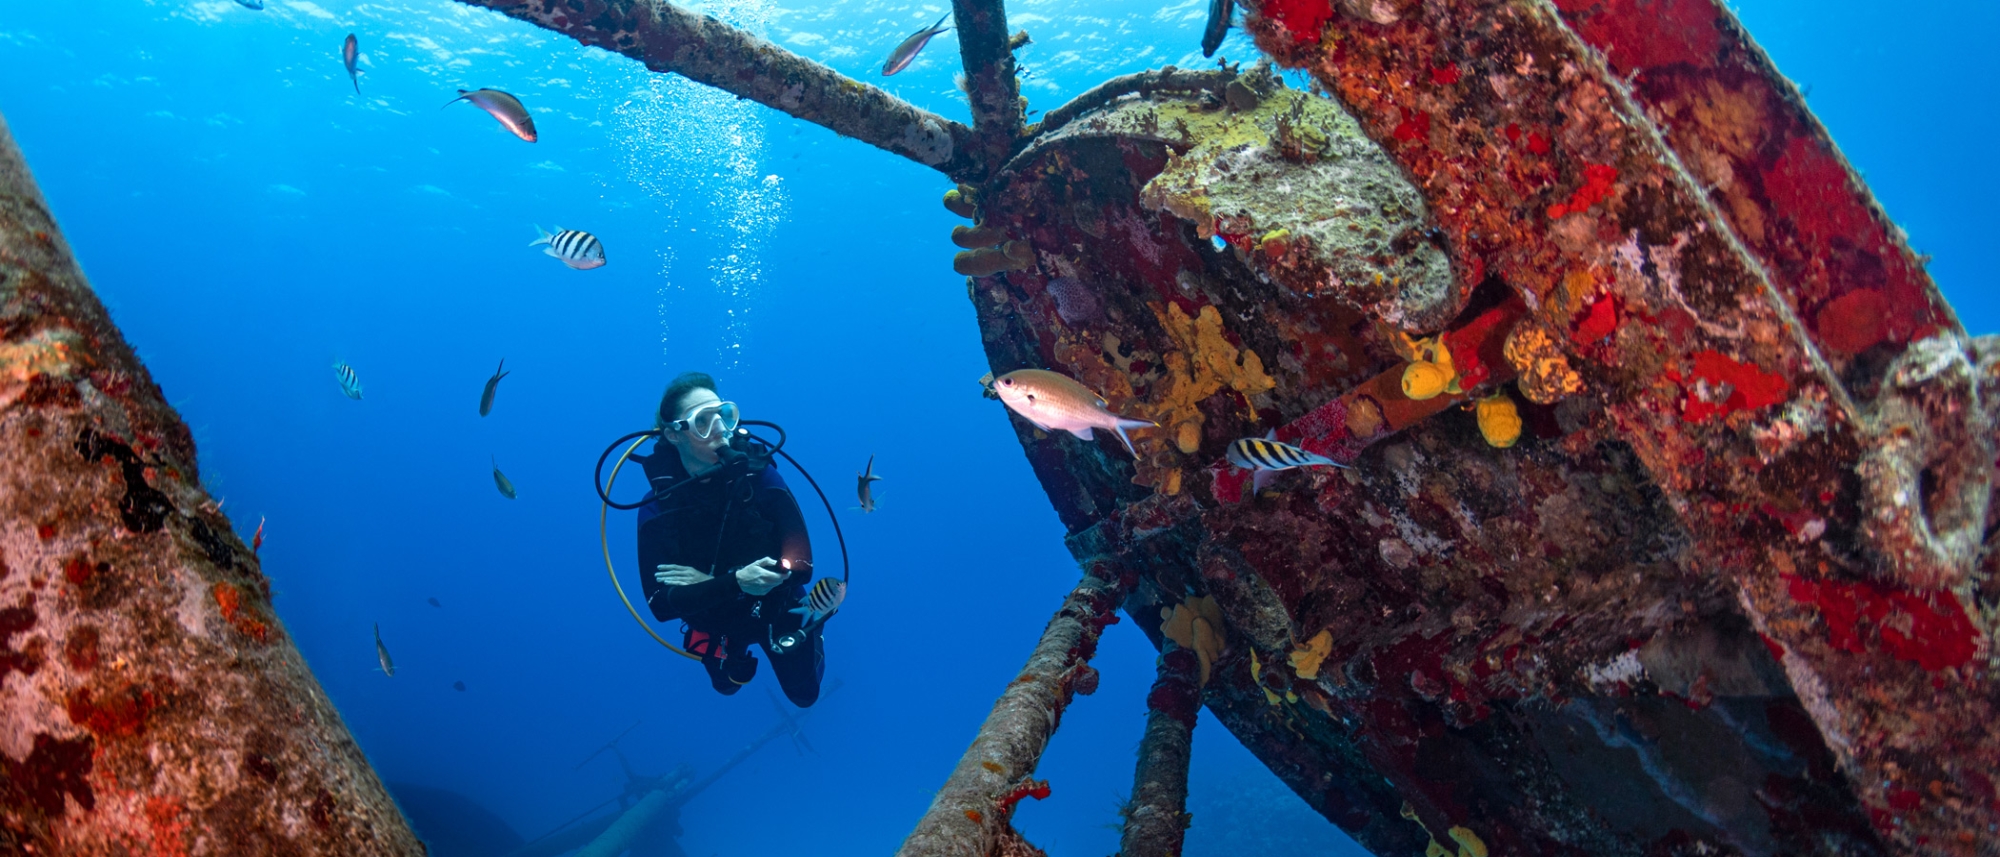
(708, 418)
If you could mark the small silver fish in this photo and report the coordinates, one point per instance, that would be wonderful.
(492, 386)
(382, 653)
(1054, 402)
(1264, 456)
(862, 482)
(350, 53)
(577, 249)
(906, 53)
(500, 479)
(350, 383)
(1219, 12)
(501, 106)
(822, 601)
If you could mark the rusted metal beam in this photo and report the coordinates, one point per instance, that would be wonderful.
(150, 700)
(1142, 84)
(986, 50)
(667, 38)
(1156, 817)
(1705, 325)
(970, 815)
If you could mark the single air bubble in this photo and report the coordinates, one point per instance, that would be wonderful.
(1220, 244)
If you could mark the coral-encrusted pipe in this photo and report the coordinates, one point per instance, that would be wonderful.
(668, 38)
(968, 818)
(150, 701)
(1156, 819)
(990, 85)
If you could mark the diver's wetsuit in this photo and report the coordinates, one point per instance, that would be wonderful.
(728, 519)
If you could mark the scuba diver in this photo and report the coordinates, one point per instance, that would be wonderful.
(723, 547)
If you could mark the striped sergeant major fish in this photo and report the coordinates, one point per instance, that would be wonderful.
(350, 383)
(906, 53)
(579, 250)
(1264, 456)
(822, 601)
(382, 653)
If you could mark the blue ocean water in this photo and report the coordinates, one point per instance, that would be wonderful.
(250, 220)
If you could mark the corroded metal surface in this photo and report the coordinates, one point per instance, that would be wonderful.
(1725, 593)
(667, 38)
(150, 700)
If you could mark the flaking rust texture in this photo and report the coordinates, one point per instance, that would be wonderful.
(1664, 535)
(150, 701)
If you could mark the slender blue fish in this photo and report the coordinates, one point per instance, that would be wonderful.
(906, 53)
(864, 485)
(500, 480)
(492, 386)
(251, 4)
(350, 53)
(382, 653)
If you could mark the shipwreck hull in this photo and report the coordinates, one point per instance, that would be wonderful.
(1724, 595)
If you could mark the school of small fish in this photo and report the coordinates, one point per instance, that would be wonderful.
(1047, 400)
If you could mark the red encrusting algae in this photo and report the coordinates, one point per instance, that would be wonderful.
(1929, 629)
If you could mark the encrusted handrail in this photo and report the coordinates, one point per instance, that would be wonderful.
(969, 817)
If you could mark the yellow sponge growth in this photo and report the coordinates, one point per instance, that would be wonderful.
(1430, 372)
(1196, 625)
(1423, 380)
(1499, 421)
(1469, 844)
(1306, 659)
(1202, 363)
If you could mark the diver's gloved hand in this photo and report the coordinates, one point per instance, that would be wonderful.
(679, 575)
(760, 577)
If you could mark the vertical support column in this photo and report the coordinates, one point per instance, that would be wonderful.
(1156, 818)
(969, 817)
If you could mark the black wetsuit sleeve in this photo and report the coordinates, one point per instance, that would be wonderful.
(659, 544)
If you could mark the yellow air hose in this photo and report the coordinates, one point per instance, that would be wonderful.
(604, 539)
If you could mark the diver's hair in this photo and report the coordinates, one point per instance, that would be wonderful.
(677, 389)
